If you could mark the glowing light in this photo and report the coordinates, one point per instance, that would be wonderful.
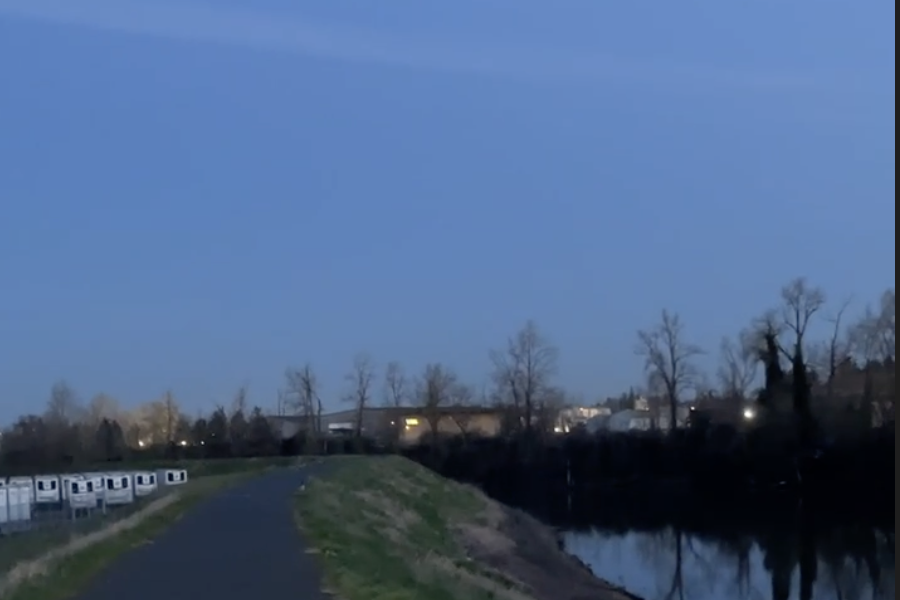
(749, 413)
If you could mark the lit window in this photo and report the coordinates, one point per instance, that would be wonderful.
(412, 422)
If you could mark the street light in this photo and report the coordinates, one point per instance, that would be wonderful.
(749, 414)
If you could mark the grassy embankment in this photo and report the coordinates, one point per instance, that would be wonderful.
(389, 529)
(57, 563)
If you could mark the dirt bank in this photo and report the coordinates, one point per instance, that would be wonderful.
(389, 528)
(525, 549)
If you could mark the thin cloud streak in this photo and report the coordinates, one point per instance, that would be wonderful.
(255, 30)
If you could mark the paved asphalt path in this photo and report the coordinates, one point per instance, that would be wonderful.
(241, 543)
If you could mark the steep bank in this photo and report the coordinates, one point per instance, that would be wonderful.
(387, 528)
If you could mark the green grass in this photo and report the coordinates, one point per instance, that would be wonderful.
(70, 574)
(32, 544)
(388, 529)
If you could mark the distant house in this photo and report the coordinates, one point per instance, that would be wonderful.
(629, 420)
(571, 417)
(643, 415)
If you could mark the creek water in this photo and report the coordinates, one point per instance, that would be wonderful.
(848, 563)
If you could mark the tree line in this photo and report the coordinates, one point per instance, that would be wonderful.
(70, 432)
(796, 367)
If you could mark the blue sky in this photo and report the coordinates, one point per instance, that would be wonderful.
(195, 196)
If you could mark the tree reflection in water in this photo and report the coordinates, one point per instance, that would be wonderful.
(805, 561)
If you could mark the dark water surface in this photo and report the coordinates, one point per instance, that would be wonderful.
(662, 541)
(840, 563)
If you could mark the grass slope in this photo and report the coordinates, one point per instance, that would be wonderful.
(388, 529)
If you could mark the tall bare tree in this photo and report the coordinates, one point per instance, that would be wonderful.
(238, 425)
(172, 413)
(801, 302)
(102, 406)
(63, 418)
(836, 350)
(523, 372)
(239, 403)
(874, 346)
(875, 332)
(63, 407)
(395, 385)
(156, 422)
(739, 365)
(303, 396)
(669, 359)
(433, 391)
(280, 401)
(887, 325)
(361, 379)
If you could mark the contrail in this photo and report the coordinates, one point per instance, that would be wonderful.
(256, 30)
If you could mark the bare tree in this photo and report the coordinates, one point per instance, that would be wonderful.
(102, 407)
(238, 425)
(433, 392)
(303, 397)
(668, 359)
(887, 325)
(63, 418)
(524, 371)
(156, 422)
(63, 407)
(395, 391)
(874, 334)
(171, 416)
(837, 349)
(239, 403)
(873, 344)
(280, 401)
(800, 303)
(361, 378)
(739, 365)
